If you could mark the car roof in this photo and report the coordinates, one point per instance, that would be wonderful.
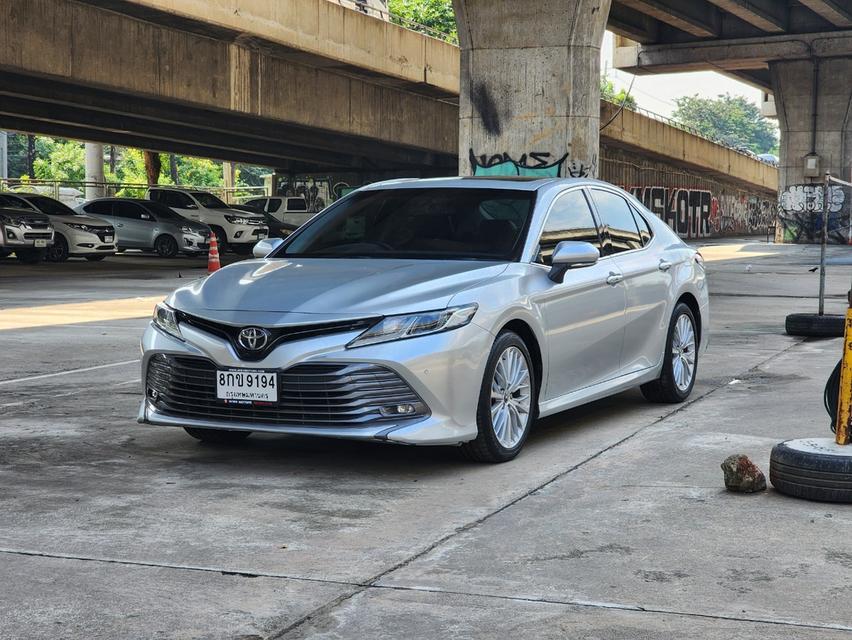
(518, 183)
(19, 210)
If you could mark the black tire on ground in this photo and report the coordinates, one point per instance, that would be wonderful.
(217, 436)
(242, 249)
(4, 253)
(59, 251)
(813, 469)
(95, 258)
(221, 239)
(166, 246)
(813, 325)
(30, 256)
(664, 389)
(486, 447)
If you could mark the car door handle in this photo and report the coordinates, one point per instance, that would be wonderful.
(614, 278)
(665, 265)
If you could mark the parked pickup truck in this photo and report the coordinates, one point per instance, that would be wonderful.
(24, 232)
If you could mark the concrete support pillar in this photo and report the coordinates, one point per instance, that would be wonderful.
(813, 100)
(530, 86)
(94, 169)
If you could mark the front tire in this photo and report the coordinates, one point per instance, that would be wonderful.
(59, 251)
(166, 247)
(680, 360)
(217, 436)
(508, 402)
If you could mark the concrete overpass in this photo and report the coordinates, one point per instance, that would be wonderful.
(800, 51)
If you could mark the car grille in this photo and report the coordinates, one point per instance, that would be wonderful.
(38, 235)
(313, 395)
(278, 336)
(103, 232)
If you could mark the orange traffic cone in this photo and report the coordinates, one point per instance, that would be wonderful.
(213, 255)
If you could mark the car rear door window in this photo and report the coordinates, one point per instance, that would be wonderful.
(99, 208)
(618, 226)
(175, 199)
(127, 210)
(570, 218)
(273, 205)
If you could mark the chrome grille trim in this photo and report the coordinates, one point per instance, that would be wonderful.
(313, 395)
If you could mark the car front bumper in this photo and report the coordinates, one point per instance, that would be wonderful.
(84, 243)
(24, 237)
(445, 370)
(193, 242)
(247, 234)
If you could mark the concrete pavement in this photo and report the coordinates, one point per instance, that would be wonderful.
(613, 523)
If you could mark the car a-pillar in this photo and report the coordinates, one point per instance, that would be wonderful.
(530, 86)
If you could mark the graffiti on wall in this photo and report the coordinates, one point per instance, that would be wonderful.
(801, 214)
(698, 213)
(539, 164)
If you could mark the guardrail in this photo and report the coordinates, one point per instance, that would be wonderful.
(74, 191)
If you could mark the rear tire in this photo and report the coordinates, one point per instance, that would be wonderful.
(166, 246)
(59, 251)
(217, 436)
(30, 256)
(672, 387)
(813, 325)
(508, 406)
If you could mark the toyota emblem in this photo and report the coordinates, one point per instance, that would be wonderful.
(253, 338)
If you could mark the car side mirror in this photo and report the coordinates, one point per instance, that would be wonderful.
(571, 254)
(145, 216)
(190, 205)
(265, 247)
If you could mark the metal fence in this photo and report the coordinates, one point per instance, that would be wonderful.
(74, 191)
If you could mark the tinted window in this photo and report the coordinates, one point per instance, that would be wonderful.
(129, 210)
(452, 224)
(617, 224)
(296, 204)
(174, 199)
(644, 229)
(102, 207)
(12, 201)
(274, 204)
(257, 203)
(51, 207)
(208, 200)
(570, 218)
(161, 211)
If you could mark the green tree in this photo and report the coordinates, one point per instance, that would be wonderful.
(729, 119)
(59, 159)
(436, 15)
(609, 94)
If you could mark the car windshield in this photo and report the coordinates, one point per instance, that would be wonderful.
(13, 202)
(52, 207)
(208, 200)
(421, 223)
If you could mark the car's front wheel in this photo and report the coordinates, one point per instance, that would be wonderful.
(507, 402)
(58, 252)
(680, 360)
(166, 246)
(217, 436)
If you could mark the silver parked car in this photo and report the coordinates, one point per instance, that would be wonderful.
(447, 311)
(143, 224)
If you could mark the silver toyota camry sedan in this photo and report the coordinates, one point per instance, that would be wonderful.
(443, 312)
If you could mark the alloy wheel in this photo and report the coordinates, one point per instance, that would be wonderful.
(683, 352)
(510, 397)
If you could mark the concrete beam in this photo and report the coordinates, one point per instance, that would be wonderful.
(837, 12)
(768, 15)
(731, 55)
(696, 17)
(632, 24)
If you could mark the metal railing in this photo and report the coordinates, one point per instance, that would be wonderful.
(74, 191)
(389, 16)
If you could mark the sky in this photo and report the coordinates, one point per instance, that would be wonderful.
(657, 92)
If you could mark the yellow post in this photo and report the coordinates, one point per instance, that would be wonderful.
(844, 402)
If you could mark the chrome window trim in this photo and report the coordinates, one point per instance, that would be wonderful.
(629, 206)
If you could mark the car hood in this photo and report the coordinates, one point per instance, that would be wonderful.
(90, 220)
(281, 290)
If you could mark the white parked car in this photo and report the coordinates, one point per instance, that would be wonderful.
(75, 234)
(289, 209)
(237, 230)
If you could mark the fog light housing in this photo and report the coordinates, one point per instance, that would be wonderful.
(399, 410)
(238, 234)
(11, 234)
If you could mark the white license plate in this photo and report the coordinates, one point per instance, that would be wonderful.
(107, 238)
(246, 386)
(40, 243)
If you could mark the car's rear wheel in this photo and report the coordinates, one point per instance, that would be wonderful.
(680, 360)
(217, 436)
(58, 252)
(508, 401)
(166, 247)
(30, 256)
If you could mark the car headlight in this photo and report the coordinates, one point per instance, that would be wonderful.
(238, 220)
(165, 318)
(415, 325)
(78, 226)
(10, 220)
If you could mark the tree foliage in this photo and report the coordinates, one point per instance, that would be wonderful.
(730, 119)
(609, 94)
(436, 15)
